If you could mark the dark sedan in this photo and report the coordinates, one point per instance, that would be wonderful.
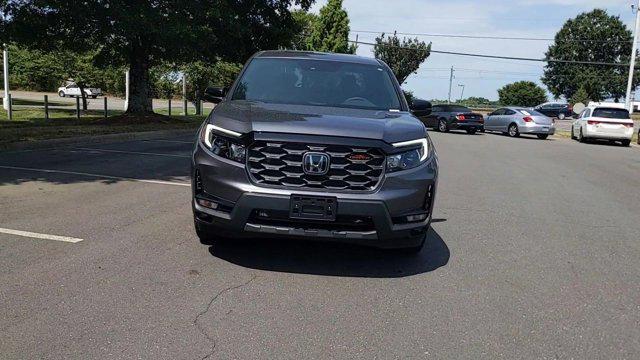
(454, 117)
(555, 110)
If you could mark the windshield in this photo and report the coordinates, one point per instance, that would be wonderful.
(611, 113)
(319, 83)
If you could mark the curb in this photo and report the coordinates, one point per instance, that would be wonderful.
(95, 139)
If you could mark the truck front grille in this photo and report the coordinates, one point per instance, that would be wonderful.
(280, 164)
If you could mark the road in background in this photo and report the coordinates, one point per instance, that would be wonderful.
(114, 103)
(533, 254)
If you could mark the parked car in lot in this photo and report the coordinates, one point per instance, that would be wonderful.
(514, 121)
(555, 110)
(71, 89)
(606, 123)
(454, 117)
(313, 145)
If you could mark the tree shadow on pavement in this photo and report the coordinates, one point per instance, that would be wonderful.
(333, 259)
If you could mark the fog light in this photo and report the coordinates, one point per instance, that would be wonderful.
(417, 218)
(208, 204)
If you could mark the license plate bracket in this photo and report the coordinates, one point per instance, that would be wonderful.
(313, 207)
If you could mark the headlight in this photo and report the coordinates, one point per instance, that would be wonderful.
(408, 159)
(222, 145)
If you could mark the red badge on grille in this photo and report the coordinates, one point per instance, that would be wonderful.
(359, 157)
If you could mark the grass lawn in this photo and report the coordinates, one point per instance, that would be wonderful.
(30, 125)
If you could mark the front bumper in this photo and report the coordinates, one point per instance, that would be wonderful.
(378, 215)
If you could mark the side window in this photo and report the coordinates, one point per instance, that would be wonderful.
(509, 112)
(586, 113)
(437, 109)
(499, 112)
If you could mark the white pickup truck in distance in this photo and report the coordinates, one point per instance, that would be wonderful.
(71, 89)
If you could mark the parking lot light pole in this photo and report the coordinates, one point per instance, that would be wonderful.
(5, 59)
(184, 93)
(450, 85)
(106, 109)
(126, 90)
(632, 63)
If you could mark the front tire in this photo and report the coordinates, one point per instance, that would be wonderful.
(442, 126)
(561, 116)
(413, 250)
(209, 234)
(543, 136)
(61, 94)
(513, 130)
(626, 143)
(573, 136)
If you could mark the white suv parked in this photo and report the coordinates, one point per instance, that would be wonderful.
(602, 122)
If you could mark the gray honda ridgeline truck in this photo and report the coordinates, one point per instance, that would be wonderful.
(314, 145)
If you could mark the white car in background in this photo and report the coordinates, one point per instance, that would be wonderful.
(603, 122)
(71, 89)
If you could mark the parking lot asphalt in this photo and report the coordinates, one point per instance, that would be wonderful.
(534, 253)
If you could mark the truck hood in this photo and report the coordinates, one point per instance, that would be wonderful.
(248, 116)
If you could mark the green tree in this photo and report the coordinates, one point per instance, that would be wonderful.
(404, 57)
(200, 75)
(37, 70)
(330, 32)
(611, 42)
(304, 22)
(581, 96)
(522, 93)
(145, 33)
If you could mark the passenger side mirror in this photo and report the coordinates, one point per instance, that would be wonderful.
(214, 94)
(420, 108)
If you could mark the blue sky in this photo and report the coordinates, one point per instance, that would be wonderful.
(481, 77)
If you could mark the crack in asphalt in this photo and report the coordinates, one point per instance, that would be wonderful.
(209, 305)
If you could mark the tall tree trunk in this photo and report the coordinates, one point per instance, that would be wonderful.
(83, 95)
(140, 100)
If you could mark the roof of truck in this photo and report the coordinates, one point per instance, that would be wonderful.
(317, 56)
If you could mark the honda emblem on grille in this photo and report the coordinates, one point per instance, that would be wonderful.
(315, 163)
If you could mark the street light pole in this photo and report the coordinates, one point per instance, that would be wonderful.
(5, 59)
(632, 66)
(462, 93)
(126, 90)
(451, 84)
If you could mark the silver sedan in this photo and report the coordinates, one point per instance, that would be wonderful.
(514, 121)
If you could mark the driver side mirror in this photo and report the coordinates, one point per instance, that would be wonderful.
(420, 108)
(214, 94)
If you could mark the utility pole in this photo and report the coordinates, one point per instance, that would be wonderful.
(462, 93)
(5, 59)
(632, 66)
(451, 83)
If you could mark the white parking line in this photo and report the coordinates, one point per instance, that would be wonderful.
(40, 236)
(131, 152)
(160, 182)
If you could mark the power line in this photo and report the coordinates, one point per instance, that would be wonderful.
(499, 57)
(462, 36)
